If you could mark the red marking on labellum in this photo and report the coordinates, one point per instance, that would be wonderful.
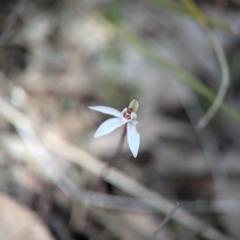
(127, 114)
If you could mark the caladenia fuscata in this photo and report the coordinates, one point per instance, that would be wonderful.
(127, 117)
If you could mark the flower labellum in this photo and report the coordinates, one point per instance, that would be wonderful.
(127, 116)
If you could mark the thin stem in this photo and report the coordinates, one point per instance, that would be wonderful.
(112, 161)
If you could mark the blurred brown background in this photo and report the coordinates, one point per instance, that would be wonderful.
(59, 56)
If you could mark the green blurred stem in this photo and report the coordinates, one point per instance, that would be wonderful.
(219, 51)
(179, 8)
(196, 12)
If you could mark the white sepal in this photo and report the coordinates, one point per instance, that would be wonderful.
(108, 126)
(107, 110)
(133, 138)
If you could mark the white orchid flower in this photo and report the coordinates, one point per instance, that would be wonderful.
(127, 116)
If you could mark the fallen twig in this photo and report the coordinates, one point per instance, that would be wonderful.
(164, 222)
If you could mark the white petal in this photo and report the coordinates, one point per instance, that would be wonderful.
(107, 110)
(133, 138)
(108, 126)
